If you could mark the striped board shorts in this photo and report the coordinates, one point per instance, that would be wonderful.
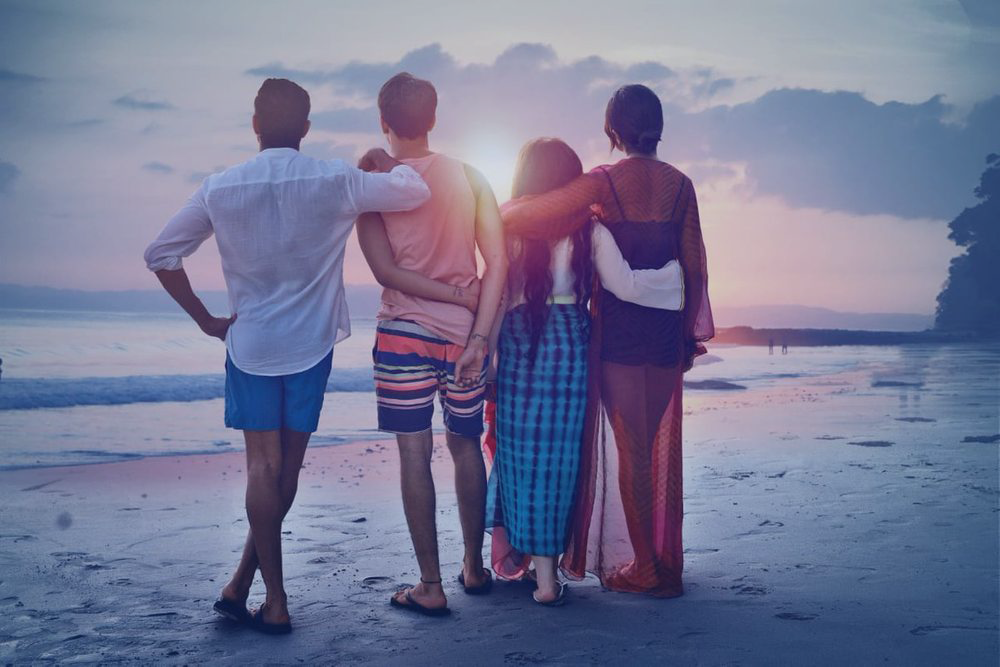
(411, 366)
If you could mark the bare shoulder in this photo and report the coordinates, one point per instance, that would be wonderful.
(477, 181)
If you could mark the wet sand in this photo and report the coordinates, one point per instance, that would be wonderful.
(838, 520)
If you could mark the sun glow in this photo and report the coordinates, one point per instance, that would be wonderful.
(494, 155)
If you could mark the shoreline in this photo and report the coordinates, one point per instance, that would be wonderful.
(814, 514)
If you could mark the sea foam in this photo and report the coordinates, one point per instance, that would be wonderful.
(33, 393)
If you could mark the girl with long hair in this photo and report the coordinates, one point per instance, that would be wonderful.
(628, 508)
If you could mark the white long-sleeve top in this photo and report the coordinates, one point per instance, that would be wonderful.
(655, 288)
(281, 221)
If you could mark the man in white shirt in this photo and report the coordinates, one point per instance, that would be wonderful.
(281, 221)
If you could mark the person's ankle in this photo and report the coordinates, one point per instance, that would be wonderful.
(276, 602)
(236, 591)
(542, 594)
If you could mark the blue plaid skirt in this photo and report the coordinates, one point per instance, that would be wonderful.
(539, 427)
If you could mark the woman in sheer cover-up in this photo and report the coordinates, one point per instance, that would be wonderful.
(628, 509)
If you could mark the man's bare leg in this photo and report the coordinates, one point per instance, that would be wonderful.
(419, 504)
(265, 510)
(470, 489)
(293, 450)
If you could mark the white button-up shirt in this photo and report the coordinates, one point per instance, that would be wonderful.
(281, 221)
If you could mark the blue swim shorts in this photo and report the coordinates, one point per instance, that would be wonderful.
(274, 402)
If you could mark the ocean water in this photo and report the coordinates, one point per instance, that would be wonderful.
(93, 387)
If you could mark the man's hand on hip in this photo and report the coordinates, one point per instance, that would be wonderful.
(217, 327)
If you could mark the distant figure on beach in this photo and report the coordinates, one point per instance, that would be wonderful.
(432, 344)
(650, 208)
(770, 346)
(784, 347)
(281, 221)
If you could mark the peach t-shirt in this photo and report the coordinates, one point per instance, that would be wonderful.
(438, 240)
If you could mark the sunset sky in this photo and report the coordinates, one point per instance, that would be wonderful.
(829, 142)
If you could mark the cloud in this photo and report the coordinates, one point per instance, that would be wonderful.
(8, 174)
(525, 66)
(332, 150)
(818, 149)
(10, 76)
(346, 120)
(139, 102)
(982, 12)
(840, 151)
(19, 92)
(158, 167)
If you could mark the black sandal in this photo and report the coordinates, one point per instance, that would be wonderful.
(416, 607)
(481, 589)
(258, 623)
(234, 611)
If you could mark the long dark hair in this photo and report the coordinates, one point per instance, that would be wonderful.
(543, 165)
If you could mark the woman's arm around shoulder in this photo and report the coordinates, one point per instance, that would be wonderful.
(556, 214)
(654, 288)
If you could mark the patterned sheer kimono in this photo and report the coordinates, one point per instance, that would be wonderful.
(628, 505)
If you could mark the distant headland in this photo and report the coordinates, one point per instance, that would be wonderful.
(823, 337)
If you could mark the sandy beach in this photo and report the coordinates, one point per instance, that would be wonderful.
(847, 519)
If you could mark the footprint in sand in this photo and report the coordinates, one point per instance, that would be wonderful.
(749, 590)
(41, 486)
(795, 616)
(985, 439)
(872, 443)
(523, 658)
(927, 629)
(18, 538)
(915, 420)
(378, 583)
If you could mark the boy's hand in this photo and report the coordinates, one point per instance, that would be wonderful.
(217, 327)
(377, 159)
(469, 367)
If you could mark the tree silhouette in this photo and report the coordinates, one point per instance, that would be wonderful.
(970, 299)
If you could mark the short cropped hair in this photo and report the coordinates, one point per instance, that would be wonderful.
(408, 105)
(635, 114)
(282, 108)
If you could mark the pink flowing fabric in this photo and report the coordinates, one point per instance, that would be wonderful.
(507, 562)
